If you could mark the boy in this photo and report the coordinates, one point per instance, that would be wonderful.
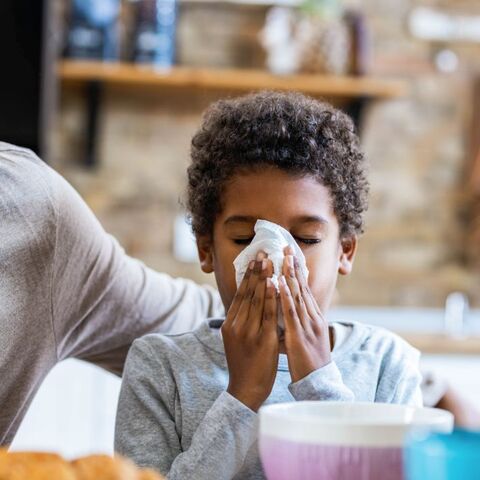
(188, 405)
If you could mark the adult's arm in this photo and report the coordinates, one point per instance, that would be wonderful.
(67, 289)
(103, 299)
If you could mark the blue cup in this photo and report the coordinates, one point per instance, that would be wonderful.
(439, 456)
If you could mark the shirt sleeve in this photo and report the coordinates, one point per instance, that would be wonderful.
(326, 384)
(103, 299)
(27, 245)
(148, 427)
(408, 391)
(400, 378)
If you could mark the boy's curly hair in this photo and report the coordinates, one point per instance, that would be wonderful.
(289, 131)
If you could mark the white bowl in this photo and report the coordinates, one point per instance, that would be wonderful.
(337, 440)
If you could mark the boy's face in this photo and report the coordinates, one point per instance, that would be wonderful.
(301, 205)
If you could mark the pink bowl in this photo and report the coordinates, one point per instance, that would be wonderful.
(344, 441)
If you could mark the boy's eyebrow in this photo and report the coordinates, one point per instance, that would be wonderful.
(311, 219)
(240, 219)
(249, 219)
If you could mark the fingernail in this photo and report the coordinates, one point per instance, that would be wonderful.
(260, 256)
(264, 264)
(290, 261)
(270, 288)
(251, 265)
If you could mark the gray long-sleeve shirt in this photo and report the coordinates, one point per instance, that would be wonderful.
(175, 415)
(67, 289)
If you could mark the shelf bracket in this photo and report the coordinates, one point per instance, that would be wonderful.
(94, 94)
(355, 108)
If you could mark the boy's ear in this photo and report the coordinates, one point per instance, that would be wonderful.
(205, 253)
(347, 254)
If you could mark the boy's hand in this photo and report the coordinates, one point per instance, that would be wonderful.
(250, 336)
(307, 337)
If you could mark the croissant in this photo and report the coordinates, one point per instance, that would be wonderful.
(49, 466)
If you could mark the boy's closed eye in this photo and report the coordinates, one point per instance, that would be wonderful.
(301, 240)
(243, 241)
(307, 241)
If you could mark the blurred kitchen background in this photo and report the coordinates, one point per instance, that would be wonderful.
(110, 92)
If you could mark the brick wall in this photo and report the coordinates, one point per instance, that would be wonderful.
(414, 250)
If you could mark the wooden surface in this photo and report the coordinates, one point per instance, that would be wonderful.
(473, 177)
(443, 344)
(473, 180)
(72, 72)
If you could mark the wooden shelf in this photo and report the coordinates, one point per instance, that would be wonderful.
(130, 75)
(350, 93)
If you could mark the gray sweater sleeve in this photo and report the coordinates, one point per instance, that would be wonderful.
(102, 299)
(323, 384)
(146, 424)
(401, 381)
(67, 288)
(399, 378)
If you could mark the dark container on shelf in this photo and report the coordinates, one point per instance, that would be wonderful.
(155, 32)
(93, 30)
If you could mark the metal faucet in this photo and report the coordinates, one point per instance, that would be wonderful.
(456, 312)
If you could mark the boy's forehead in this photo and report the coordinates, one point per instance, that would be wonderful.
(277, 197)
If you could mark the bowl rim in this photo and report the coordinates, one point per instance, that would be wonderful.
(283, 411)
(278, 422)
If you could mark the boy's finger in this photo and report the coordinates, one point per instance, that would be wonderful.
(269, 269)
(243, 311)
(309, 302)
(238, 298)
(295, 290)
(255, 314)
(312, 305)
(264, 269)
(269, 320)
(292, 322)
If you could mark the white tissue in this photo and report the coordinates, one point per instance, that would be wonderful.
(271, 239)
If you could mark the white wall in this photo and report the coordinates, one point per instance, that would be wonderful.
(73, 413)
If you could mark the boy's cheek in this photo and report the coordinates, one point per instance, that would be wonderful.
(322, 279)
(323, 295)
(321, 264)
(225, 278)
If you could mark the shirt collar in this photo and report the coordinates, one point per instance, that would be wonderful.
(209, 334)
